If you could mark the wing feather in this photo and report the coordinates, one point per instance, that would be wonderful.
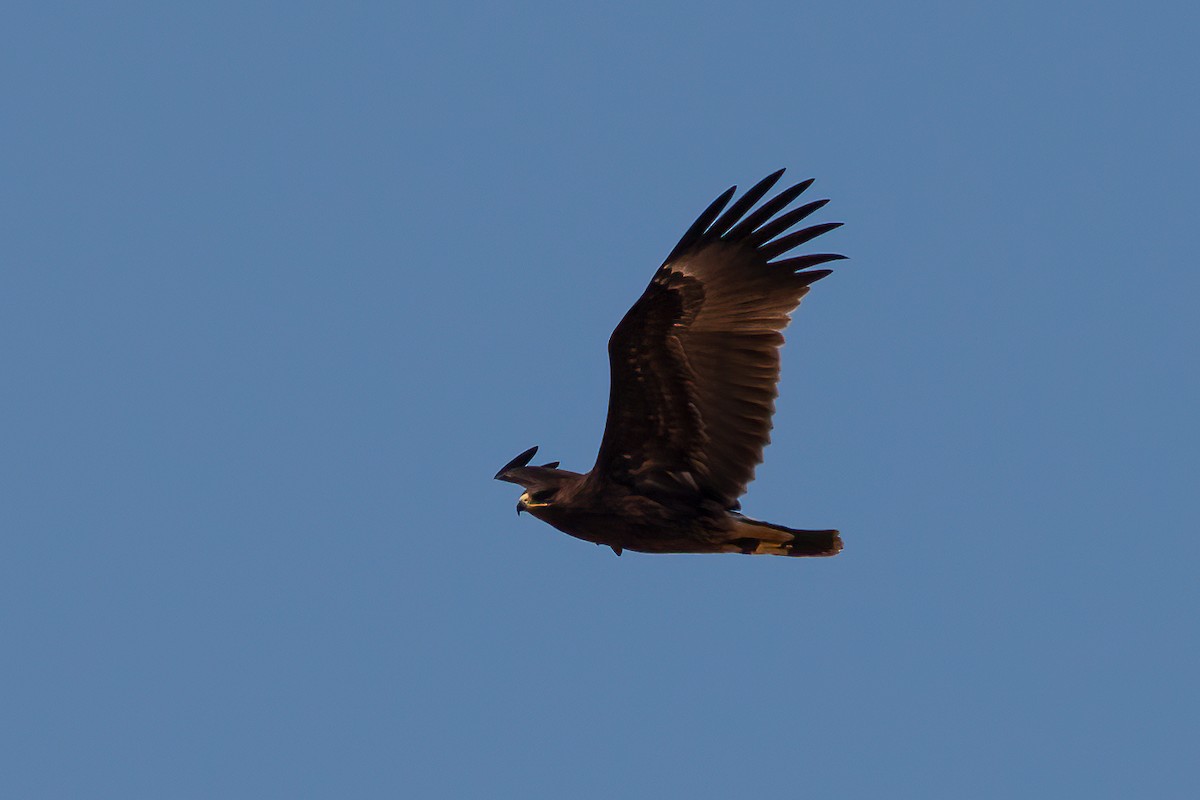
(695, 362)
(743, 204)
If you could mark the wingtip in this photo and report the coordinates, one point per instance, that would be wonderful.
(519, 461)
(799, 263)
(700, 226)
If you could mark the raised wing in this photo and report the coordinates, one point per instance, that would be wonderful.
(695, 363)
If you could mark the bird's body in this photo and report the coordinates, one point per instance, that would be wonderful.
(694, 368)
(618, 516)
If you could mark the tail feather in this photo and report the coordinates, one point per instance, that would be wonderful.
(754, 537)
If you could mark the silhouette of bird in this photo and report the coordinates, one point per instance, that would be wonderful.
(694, 370)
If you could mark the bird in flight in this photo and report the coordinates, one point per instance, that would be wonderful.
(694, 366)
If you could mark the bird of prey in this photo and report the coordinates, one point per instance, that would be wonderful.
(693, 368)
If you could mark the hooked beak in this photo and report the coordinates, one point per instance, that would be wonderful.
(526, 503)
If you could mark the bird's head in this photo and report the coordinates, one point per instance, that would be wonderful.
(542, 484)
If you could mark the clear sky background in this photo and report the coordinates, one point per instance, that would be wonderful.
(282, 285)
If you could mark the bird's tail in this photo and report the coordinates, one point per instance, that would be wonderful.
(763, 538)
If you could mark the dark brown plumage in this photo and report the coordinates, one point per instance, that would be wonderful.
(694, 368)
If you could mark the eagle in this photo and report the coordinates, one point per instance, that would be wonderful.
(694, 367)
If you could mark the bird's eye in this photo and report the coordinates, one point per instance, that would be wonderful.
(542, 496)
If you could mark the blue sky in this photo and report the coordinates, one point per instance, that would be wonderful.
(283, 285)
